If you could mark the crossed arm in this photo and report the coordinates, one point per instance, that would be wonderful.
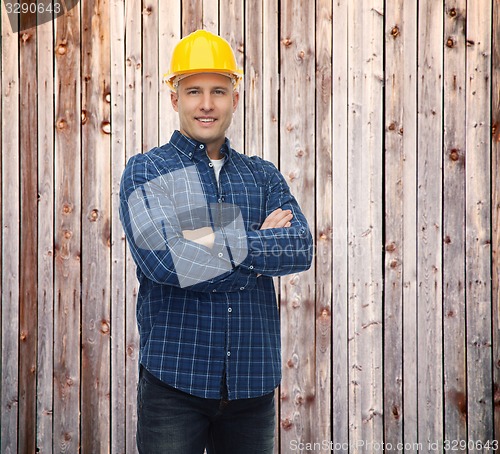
(205, 236)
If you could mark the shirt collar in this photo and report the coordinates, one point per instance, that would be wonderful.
(189, 147)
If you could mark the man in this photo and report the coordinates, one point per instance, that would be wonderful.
(208, 227)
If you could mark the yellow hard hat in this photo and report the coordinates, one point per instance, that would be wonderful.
(199, 52)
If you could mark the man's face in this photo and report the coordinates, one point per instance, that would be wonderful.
(205, 103)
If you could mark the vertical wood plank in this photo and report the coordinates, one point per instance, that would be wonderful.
(297, 164)
(96, 219)
(365, 28)
(169, 25)
(28, 230)
(395, 185)
(455, 392)
(254, 107)
(477, 230)
(45, 353)
(67, 232)
(210, 10)
(192, 16)
(231, 28)
(323, 220)
(150, 84)
(133, 141)
(495, 203)
(430, 369)
(270, 81)
(118, 296)
(270, 117)
(409, 245)
(10, 239)
(340, 302)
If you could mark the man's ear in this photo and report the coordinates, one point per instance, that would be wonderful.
(174, 98)
(236, 98)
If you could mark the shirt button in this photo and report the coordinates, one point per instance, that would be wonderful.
(242, 288)
(251, 267)
(210, 164)
(228, 354)
(230, 309)
(220, 254)
(213, 291)
(202, 146)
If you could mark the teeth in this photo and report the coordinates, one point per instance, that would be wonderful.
(206, 120)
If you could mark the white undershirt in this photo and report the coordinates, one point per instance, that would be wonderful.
(217, 163)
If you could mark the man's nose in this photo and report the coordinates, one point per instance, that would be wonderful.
(206, 102)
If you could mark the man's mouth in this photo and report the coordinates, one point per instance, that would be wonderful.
(206, 120)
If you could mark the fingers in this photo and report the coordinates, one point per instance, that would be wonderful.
(278, 218)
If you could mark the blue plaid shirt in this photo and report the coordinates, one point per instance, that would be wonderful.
(207, 312)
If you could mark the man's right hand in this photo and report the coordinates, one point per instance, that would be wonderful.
(278, 218)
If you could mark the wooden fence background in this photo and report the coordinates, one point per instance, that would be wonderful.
(384, 116)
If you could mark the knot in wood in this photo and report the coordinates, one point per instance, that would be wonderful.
(287, 42)
(299, 399)
(84, 117)
(61, 49)
(454, 154)
(68, 234)
(453, 12)
(107, 97)
(104, 327)
(67, 208)
(449, 42)
(94, 215)
(495, 132)
(392, 127)
(106, 127)
(391, 247)
(395, 31)
(293, 175)
(286, 424)
(25, 37)
(61, 124)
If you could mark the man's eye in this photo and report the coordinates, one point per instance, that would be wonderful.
(220, 92)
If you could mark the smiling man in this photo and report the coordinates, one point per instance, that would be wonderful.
(208, 228)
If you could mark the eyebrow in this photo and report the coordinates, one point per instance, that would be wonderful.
(198, 87)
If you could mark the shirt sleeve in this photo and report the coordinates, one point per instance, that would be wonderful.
(280, 251)
(153, 226)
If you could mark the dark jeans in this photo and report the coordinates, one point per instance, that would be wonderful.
(173, 422)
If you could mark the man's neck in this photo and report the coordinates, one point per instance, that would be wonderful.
(215, 153)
